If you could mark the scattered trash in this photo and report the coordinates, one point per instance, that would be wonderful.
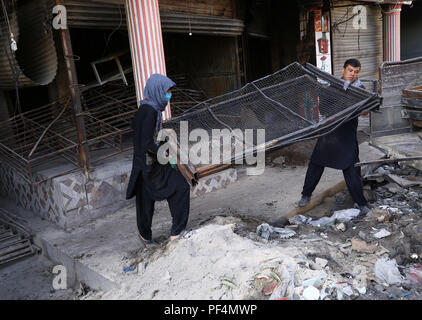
(341, 227)
(414, 275)
(403, 295)
(361, 290)
(228, 283)
(275, 276)
(387, 271)
(321, 262)
(315, 281)
(129, 269)
(265, 230)
(269, 288)
(324, 221)
(414, 256)
(362, 246)
(340, 216)
(83, 289)
(382, 234)
(299, 219)
(347, 290)
(311, 293)
(379, 214)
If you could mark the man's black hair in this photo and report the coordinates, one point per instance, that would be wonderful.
(355, 63)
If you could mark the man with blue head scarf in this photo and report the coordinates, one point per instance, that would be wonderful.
(151, 181)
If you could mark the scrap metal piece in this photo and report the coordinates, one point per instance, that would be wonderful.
(294, 104)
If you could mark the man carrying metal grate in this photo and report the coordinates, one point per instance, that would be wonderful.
(151, 181)
(339, 150)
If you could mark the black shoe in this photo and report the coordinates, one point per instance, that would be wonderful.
(304, 201)
(363, 210)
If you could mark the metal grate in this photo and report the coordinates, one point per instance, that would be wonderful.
(293, 104)
(15, 240)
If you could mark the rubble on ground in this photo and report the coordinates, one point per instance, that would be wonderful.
(342, 256)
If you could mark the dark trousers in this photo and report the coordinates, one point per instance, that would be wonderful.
(179, 204)
(352, 176)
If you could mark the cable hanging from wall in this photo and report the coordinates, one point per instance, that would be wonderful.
(12, 48)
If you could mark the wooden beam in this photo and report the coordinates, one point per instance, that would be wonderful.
(317, 199)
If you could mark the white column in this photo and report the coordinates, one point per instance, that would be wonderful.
(146, 43)
(391, 26)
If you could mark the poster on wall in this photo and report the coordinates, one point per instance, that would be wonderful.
(322, 41)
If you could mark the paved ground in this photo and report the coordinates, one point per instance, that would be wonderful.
(31, 279)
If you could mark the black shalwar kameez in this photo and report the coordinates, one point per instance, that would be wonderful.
(339, 150)
(151, 181)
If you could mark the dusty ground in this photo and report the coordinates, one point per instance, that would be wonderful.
(31, 279)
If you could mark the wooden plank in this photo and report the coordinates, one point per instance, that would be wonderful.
(317, 199)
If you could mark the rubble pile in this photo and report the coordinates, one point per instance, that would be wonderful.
(340, 256)
(395, 189)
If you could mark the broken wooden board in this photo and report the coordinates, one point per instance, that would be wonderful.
(318, 199)
(407, 182)
(401, 146)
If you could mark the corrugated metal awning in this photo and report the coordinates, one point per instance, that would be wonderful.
(91, 15)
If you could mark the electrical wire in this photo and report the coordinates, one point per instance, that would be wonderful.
(114, 30)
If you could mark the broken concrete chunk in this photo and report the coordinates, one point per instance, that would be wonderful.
(381, 215)
(382, 234)
(341, 227)
(362, 246)
(321, 262)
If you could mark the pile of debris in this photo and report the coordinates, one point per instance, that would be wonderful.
(394, 188)
(237, 257)
(340, 256)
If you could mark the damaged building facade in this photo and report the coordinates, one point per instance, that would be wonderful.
(66, 118)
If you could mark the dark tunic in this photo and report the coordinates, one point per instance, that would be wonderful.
(339, 149)
(156, 178)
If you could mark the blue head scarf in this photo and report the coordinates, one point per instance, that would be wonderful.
(155, 95)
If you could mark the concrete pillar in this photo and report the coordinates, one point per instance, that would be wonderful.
(146, 43)
(391, 32)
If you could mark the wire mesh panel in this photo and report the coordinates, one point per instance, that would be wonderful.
(293, 104)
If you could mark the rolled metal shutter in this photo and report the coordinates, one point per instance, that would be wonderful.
(90, 15)
(362, 44)
(35, 61)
